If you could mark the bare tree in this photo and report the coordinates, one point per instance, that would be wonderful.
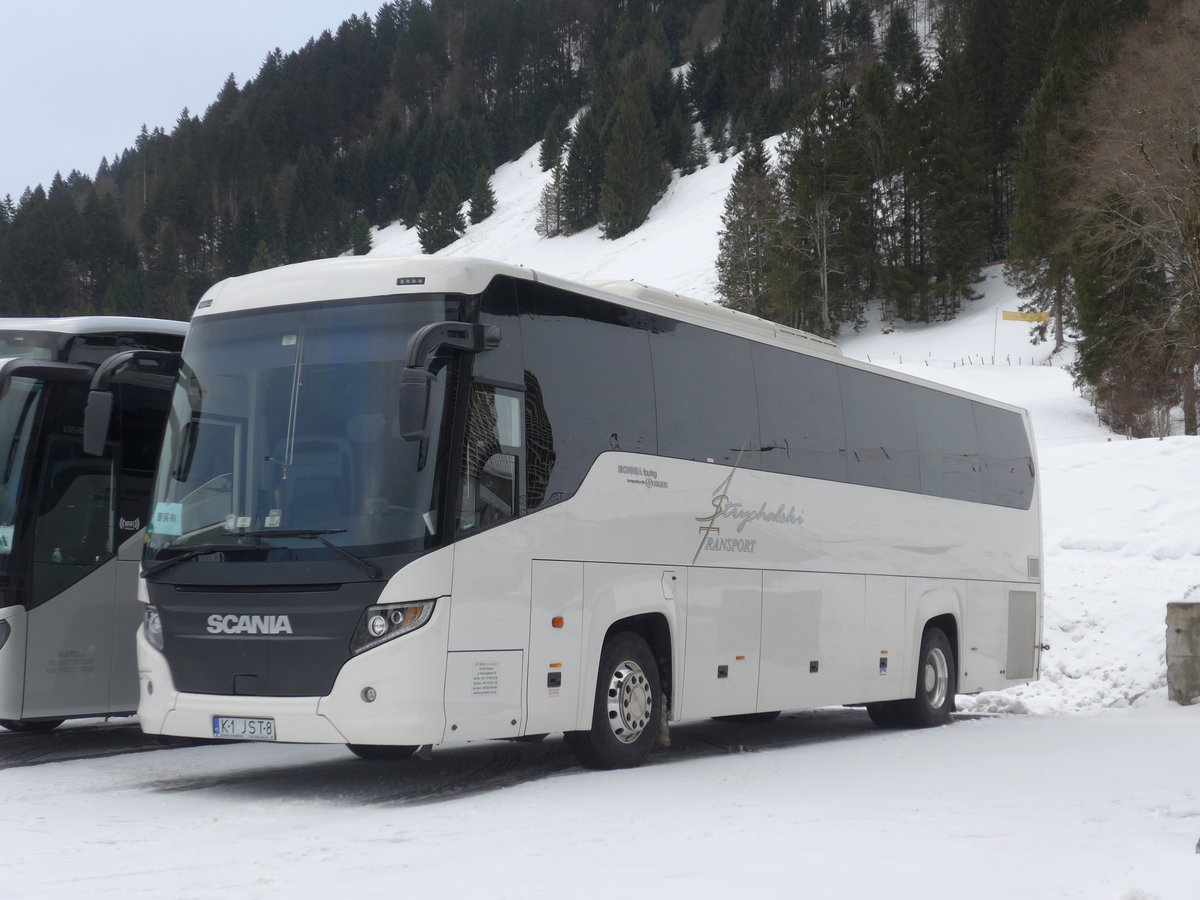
(1138, 183)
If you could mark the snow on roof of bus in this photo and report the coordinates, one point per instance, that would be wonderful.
(93, 324)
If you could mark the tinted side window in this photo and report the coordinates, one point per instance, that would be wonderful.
(498, 306)
(949, 446)
(707, 399)
(589, 387)
(1007, 464)
(800, 412)
(881, 431)
(74, 532)
(138, 426)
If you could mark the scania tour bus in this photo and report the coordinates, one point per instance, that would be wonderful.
(71, 524)
(412, 501)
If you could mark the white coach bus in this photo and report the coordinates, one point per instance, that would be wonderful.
(414, 501)
(71, 522)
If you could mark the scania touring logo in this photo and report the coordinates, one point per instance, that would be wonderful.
(218, 624)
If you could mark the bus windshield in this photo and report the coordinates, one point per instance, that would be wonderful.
(283, 426)
(18, 411)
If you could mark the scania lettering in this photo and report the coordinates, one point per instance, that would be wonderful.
(71, 521)
(437, 471)
(219, 624)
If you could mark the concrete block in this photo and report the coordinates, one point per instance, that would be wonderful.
(1183, 652)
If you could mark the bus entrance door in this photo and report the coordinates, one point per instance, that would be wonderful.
(69, 650)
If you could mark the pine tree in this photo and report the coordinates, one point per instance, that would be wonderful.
(679, 139)
(483, 198)
(746, 52)
(550, 220)
(824, 214)
(553, 139)
(749, 225)
(900, 42)
(583, 175)
(360, 235)
(263, 258)
(410, 204)
(635, 174)
(440, 223)
(959, 197)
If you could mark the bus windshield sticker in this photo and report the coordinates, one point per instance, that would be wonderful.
(6, 539)
(168, 519)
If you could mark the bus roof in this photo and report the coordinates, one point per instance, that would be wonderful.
(347, 278)
(70, 325)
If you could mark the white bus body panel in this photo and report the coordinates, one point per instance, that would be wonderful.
(801, 590)
(555, 649)
(724, 634)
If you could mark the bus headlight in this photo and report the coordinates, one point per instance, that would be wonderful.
(5, 631)
(382, 623)
(153, 626)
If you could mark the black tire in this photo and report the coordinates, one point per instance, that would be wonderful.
(933, 697)
(937, 681)
(382, 751)
(31, 726)
(887, 713)
(628, 708)
(756, 718)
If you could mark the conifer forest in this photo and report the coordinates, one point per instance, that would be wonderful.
(888, 150)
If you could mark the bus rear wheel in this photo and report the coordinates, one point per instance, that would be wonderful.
(933, 699)
(30, 726)
(382, 751)
(628, 707)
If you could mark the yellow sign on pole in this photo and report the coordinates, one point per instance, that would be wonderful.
(1010, 316)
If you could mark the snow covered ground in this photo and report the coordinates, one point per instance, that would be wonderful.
(1086, 786)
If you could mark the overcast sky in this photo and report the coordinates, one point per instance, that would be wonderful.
(78, 78)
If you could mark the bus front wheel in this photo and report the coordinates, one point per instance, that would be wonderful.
(628, 707)
(933, 700)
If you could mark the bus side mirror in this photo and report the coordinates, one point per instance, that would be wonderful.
(414, 403)
(415, 379)
(96, 416)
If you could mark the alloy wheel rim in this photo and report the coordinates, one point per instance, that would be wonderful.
(936, 677)
(630, 702)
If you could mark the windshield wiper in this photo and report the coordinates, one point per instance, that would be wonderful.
(193, 552)
(318, 534)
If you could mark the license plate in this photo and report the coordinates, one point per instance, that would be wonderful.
(235, 728)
